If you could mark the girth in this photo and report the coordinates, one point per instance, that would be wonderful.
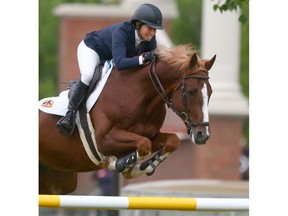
(83, 112)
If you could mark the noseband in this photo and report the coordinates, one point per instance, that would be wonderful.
(159, 88)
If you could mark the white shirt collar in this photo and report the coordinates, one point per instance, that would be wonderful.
(137, 39)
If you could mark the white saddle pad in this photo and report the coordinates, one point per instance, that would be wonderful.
(58, 105)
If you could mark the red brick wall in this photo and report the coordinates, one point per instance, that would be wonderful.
(217, 159)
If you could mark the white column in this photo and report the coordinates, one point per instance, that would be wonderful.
(221, 36)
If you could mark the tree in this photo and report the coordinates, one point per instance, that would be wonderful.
(48, 45)
(187, 27)
(232, 5)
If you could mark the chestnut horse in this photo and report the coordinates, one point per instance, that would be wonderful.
(127, 119)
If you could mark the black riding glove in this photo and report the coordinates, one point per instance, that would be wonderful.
(148, 56)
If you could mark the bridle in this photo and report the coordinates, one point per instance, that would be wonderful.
(160, 89)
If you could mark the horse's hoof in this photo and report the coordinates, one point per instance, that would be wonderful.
(122, 163)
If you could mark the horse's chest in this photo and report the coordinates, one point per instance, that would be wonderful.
(141, 117)
(145, 129)
(146, 123)
(145, 115)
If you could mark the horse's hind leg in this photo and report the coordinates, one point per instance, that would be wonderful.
(53, 181)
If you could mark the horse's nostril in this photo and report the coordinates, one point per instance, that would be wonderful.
(199, 135)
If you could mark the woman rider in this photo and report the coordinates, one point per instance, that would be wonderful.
(129, 44)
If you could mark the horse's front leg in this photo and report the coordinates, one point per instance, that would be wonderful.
(128, 147)
(164, 144)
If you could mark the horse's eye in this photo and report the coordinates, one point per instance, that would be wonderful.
(192, 92)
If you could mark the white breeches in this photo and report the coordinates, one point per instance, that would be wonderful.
(88, 60)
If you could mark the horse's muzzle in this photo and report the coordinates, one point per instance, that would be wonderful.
(198, 136)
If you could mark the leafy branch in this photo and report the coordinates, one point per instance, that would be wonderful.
(232, 5)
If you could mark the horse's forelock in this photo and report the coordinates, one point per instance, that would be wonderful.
(178, 57)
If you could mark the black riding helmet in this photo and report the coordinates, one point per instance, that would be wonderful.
(149, 15)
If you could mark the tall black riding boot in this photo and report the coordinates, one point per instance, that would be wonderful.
(76, 96)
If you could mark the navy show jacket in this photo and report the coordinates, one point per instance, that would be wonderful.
(118, 42)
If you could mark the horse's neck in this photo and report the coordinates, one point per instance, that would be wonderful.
(168, 76)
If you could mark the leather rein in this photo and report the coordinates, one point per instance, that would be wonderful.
(160, 89)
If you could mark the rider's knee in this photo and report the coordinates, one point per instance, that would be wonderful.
(87, 77)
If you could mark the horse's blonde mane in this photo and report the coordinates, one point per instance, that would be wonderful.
(178, 57)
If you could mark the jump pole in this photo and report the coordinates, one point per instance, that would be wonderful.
(143, 203)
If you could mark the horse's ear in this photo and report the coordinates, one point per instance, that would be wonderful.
(210, 63)
(194, 60)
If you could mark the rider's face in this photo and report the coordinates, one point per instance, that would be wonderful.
(147, 32)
